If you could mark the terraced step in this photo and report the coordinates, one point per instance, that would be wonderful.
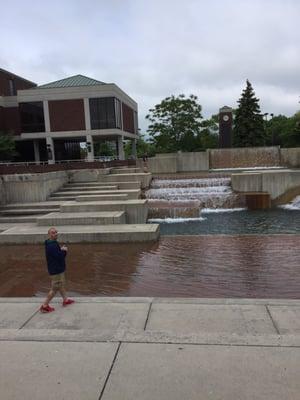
(18, 219)
(99, 185)
(142, 177)
(28, 211)
(85, 184)
(24, 206)
(127, 185)
(132, 193)
(102, 197)
(82, 218)
(62, 198)
(136, 210)
(83, 233)
(125, 170)
(87, 188)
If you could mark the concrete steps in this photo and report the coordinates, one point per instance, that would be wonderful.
(131, 193)
(18, 219)
(143, 178)
(83, 233)
(136, 210)
(24, 206)
(103, 197)
(82, 218)
(84, 188)
(125, 170)
(28, 211)
(99, 185)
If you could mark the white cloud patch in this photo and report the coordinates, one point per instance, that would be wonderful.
(153, 49)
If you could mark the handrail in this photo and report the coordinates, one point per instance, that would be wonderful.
(28, 163)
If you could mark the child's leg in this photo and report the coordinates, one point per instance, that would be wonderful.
(50, 296)
(63, 293)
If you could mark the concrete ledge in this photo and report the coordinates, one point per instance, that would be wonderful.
(136, 210)
(83, 233)
(132, 193)
(84, 218)
(72, 188)
(144, 178)
(102, 197)
(125, 170)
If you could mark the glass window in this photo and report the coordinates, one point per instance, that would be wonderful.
(102, 112)
(135, 121)
(12, 88)
(32, 117)
(118, 114)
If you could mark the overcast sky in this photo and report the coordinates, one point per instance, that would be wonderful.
(155, 48)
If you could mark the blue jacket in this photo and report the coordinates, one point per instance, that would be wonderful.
(55, 257)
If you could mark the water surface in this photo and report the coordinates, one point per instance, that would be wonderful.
(261, 266)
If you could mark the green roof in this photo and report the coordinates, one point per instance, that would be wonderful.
(76, 80)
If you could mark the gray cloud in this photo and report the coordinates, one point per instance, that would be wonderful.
(154, 49)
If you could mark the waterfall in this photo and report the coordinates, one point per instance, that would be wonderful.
(175, 198)
(294, 205)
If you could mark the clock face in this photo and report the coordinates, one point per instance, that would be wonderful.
(225, 118)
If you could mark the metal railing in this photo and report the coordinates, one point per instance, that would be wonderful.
(28, 163)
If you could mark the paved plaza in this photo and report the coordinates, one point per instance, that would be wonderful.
(150, 348)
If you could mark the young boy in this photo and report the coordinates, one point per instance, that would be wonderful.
(55, 256)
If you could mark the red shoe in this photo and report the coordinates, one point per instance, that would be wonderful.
(46, 309)
(66, 302)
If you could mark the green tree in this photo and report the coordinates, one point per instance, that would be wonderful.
(7, 147)
(103, 149)
(284, 131)
(143, 146)
(248, 127)
(175, 124)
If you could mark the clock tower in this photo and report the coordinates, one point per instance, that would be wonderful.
(225, 127)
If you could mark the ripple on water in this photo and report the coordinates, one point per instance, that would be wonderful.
(185, 266)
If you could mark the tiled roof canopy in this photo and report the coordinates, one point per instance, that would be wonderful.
(76, 80)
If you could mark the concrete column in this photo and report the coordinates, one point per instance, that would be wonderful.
(87, 114)
(121, 148)
(133, 149)
(46, 116)
(50, 150)
(90, 148)
(36, 151)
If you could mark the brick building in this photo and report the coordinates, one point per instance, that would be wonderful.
(49, 122)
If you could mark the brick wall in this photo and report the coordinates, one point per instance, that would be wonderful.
(66, 115)
(128, 118)
(19, 83)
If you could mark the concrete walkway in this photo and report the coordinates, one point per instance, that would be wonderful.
(150, 348)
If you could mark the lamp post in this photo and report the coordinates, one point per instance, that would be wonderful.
(272, 115)
(265, 116)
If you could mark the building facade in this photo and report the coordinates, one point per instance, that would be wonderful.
(49, 122)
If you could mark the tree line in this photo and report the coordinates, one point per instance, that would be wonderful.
(176, 124)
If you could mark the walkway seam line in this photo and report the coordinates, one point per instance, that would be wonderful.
(273, 322)
(148, 315)
(109, 372)
(29, 319)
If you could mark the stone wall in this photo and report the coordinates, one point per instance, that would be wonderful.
(87, 175)
(276, 183)
(244, 157)
(198, 161)
(2, 193)
(290, 157)
(222, 158)
(27, 188)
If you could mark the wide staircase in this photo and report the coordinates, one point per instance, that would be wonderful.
(99, 211)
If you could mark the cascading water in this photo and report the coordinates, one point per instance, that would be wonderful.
(175, 198)
(294, 205)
